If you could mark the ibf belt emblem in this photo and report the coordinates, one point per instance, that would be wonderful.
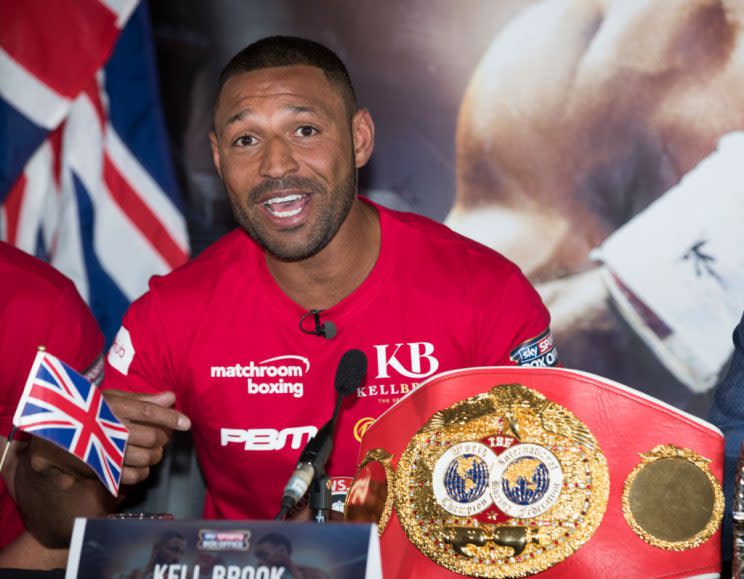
(503, 484)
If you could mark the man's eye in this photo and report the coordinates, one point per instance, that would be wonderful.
(306, 131)
(245, 141)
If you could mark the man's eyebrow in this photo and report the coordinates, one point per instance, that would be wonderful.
(302, 109)
(247, 112)
(239, 116)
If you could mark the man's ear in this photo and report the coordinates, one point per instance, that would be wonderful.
(363, 133)
(215, 152)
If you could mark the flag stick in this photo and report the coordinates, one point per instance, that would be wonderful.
(7, 447)
(39, 348)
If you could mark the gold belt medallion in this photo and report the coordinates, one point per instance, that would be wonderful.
(672, 500)
(503, 484)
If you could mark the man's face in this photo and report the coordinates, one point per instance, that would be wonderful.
(283, 146)
(269, 553)
(171, 551)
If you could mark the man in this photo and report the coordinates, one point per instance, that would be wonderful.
(42, 488)
(727, 413)
(169, 549)
(244, 335)
(275, 550)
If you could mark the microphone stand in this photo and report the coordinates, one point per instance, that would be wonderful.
(320, 492)
(310, 473)
(320, 497)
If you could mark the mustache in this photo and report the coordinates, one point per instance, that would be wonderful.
(269, 185)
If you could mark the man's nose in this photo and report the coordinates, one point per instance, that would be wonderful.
(278, 159)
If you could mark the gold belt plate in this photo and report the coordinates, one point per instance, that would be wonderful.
(502, 484)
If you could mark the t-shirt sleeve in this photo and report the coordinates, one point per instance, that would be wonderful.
(75, 337)
(65, 326)
(139, 359)
(515, 331)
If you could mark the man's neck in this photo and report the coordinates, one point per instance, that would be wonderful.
(326, 278)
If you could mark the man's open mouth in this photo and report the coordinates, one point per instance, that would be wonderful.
(287, 205)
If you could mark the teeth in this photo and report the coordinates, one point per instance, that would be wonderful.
(291, 213)
(281, 201)
(287, 199)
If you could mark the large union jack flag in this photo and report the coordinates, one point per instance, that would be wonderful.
(86, 180)
(61, 406)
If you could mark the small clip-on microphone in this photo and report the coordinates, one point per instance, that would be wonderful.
(325, 329)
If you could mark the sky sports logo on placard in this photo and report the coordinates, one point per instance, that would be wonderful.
(279, 375)
(539, 351)
(239, 540)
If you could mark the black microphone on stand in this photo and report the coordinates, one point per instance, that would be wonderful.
(349, 376)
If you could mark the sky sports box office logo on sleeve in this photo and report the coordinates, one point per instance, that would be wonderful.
(537, 352)
(280, 375)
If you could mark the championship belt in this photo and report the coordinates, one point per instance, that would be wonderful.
(509, 472)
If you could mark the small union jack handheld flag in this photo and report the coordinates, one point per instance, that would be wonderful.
(61, 406)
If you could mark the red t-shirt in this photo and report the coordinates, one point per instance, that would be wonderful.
(222, 335)
(38, 306)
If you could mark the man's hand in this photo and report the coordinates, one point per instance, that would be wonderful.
(150, 420)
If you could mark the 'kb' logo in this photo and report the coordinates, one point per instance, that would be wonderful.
(418, 352)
